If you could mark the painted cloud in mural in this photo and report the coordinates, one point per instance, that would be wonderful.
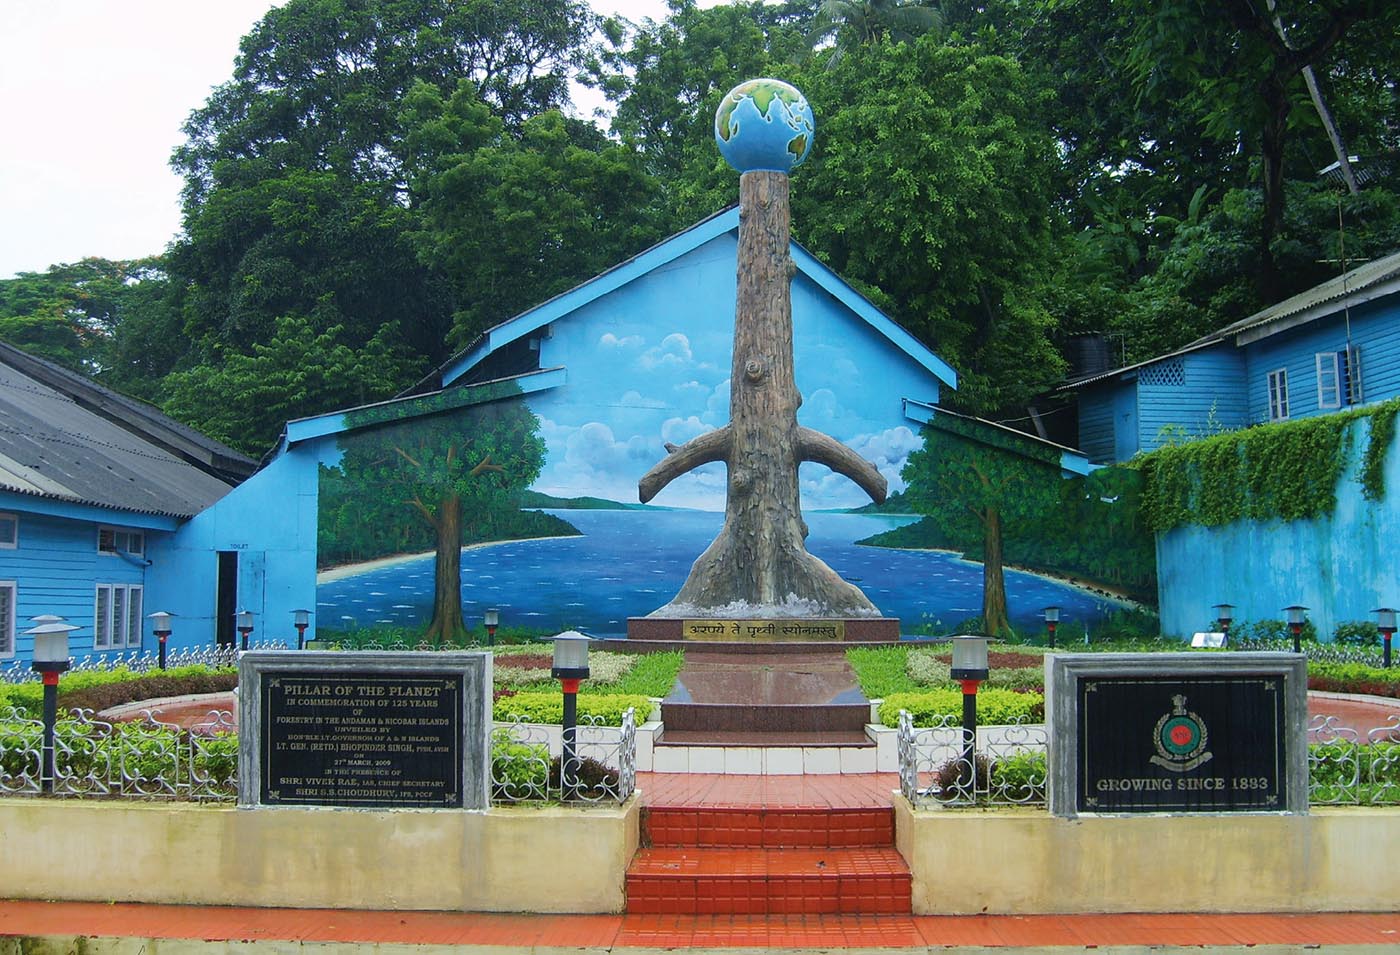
(645, 389)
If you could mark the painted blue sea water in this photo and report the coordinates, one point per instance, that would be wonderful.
(628, 563)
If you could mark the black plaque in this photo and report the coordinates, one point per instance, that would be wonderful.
(1181, 744)
(347, 739)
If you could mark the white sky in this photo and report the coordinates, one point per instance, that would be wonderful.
(92, 97)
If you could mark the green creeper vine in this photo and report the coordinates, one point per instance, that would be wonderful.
(1286, 471)
(1373, 464)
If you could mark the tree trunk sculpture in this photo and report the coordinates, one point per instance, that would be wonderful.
(759, 558)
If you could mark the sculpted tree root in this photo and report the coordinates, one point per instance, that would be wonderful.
(760, 556)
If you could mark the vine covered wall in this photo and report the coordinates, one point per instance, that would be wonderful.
(1294, 513)
(1286, 471)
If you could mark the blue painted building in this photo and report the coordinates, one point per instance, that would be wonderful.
(94, 488)
(611, 372)
(1333, 347)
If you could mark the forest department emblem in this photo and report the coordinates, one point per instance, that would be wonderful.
(1180, 737)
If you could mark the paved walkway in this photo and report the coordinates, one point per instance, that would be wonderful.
(208, 929)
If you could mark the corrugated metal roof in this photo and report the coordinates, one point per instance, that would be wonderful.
(1354, 283)
(52, 447)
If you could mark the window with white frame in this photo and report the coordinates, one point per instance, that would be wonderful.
(9, 531)
(1329, 379)
(117, 618)
(119, 540)
(8, 593)
(1278, 395)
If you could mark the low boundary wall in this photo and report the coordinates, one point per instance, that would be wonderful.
(575, 860)
(502, 860)
(1029, 862)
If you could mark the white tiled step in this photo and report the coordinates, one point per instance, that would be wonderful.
(770, 760)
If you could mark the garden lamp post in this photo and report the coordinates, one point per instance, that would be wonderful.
(1052, 620)
(50, 659)
(1297, 616)
(244, 620)
(301, 619)
(1224, 614)
(492, 619)
(160, 626)
(1385, 623)
(570, 668)
(970, 668)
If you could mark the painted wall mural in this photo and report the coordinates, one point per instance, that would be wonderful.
(552, 532)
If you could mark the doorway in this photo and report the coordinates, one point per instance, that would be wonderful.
(226, 599)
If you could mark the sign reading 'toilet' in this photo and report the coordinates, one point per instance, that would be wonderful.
(364, 730)
(1173, 732)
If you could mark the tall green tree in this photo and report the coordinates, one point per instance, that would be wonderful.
(513, 219)
(318, 83)
(244, 400)
(933, 188)
(299, 200)
(666, 79)
(77, 314)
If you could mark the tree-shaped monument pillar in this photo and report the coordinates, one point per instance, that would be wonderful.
(764, 128)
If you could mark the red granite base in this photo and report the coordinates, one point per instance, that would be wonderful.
(857, 630)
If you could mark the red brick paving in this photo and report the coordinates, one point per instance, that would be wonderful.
(600, 932)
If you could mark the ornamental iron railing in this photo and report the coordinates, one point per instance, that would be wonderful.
(602, 769)
(1007, 766)
(149, 759)
(943, 765)
(141, 661)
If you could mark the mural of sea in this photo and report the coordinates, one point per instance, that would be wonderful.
(629, 562)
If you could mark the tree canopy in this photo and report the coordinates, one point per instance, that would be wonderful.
(387, 178)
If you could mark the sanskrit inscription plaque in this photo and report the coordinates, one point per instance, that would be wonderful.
(364, 730)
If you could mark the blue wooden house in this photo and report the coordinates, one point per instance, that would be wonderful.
(93, 488)
(1332, 347)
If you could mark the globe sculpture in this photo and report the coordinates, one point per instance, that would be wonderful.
(764, 124)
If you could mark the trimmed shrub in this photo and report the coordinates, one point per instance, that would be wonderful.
(994, 706)
(607, 710)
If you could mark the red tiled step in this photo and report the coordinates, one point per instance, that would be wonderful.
(762, 828)
(690, 881)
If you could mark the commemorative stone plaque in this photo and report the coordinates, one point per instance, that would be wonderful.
(1177, 732)
(403, 730)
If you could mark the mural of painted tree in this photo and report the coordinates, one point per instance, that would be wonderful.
(973, 478)
(760, 557)
(436, 469)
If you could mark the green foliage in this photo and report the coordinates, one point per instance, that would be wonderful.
(519, 770)
(651, 675)
(1020, 777)
(994, 706)
(881, 671)
(1357, 633)
(1381, 437)
(100, 689)
(244, 400)
(925, 669)
(1287, 470)
(1353, 678)
(514, 219)
(909, 196)
(606, 709)
(103, 318)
